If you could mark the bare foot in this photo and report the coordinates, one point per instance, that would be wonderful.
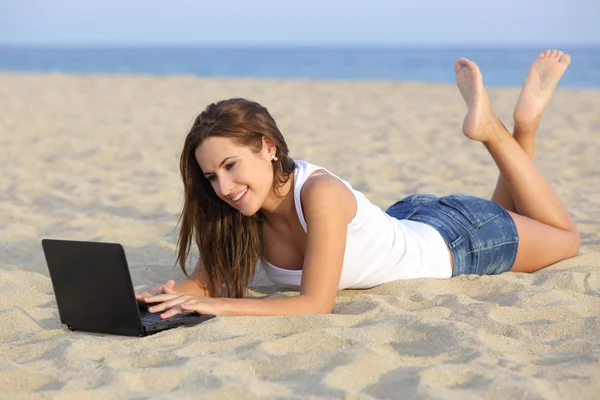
(543, 76)
(480, 121)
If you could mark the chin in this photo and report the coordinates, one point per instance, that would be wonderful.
(252, 207)
(248, 212)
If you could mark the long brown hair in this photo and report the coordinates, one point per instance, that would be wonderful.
(229, 242)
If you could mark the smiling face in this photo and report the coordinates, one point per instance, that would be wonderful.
(239, 176)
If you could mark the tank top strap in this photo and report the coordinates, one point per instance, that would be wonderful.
(303, 171)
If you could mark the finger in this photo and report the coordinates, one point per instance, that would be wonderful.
(170, 283)
(167, 290)
(192, 306)
(145, 296)
(170, 313)
(161, 298)
(147, 292)
(168, 304)
(142, 296)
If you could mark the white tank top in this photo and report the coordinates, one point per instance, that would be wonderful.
(379, 248)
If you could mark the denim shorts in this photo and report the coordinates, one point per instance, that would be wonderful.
(481, 235)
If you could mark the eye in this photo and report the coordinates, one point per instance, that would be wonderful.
(211, 178)
(229, 166)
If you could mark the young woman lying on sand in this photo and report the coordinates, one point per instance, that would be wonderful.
(246, 200)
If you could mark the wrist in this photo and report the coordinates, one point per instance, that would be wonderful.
(223, 306)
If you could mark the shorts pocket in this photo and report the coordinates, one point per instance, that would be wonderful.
(406, 207)
(478, 211)
(416, 198)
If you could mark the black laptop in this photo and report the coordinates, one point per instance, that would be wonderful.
(94, 292)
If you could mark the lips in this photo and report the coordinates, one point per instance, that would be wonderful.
(239, 196)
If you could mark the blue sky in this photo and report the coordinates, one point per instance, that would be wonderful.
(306, 22)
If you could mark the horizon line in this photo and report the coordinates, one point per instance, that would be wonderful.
(519, 45)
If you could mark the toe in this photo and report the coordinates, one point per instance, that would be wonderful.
(565, 59)
(473, 66)
(460, 64)
(547, 53)
(457, 66)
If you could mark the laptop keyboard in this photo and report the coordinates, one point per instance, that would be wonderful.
(154, 319)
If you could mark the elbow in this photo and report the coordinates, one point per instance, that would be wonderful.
(323, 310)
(571, 244)
(576, 244)
(318, 306)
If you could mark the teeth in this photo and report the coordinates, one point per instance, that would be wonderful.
(239, 196)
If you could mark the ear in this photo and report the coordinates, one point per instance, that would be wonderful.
(268, 147)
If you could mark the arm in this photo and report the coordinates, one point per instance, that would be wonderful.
(328, 207)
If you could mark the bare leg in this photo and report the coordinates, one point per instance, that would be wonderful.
(546, 232)
(543, 76)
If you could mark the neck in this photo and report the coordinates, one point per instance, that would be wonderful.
(279, 205)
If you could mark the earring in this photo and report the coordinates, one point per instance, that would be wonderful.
(274, 157)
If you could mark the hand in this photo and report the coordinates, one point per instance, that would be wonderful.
(165, 288)
(175, 303)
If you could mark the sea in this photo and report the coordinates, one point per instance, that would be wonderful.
(500, 66)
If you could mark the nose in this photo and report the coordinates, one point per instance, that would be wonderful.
(225, 186)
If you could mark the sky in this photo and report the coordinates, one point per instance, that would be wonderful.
(305, 22)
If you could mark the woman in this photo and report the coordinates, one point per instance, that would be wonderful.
(246, 200)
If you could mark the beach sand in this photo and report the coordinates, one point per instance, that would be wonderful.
(96, 158)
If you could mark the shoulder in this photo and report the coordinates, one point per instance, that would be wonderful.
(322, 183)
(326, 194)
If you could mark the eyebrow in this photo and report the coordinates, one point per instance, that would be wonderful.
(220, 165)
